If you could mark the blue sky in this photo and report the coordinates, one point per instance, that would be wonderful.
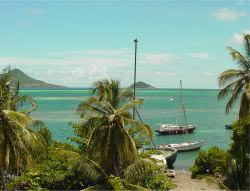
(76, 43)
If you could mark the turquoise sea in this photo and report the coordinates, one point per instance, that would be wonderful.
(57, 109)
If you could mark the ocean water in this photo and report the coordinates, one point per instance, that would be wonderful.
(57, 108)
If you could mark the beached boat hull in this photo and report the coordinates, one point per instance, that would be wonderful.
(228, 126)
(169, 153)
(171, 159)
(169, 129)
(188, 146)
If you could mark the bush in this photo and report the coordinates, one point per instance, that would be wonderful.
(215, 160)
(160, 182)
(58, 171)
(239, 153)
(46, 134)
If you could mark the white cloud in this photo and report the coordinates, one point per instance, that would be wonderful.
(227, 14)
(237, 38)
(34, 11)
(81, 68)
(159, 59)
(26, 23)
(163, 74)
(207, 74)
(200, 55)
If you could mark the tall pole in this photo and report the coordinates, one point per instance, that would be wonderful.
(135, 41)
(184, 112)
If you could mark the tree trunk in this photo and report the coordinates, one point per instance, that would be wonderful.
(2, 179)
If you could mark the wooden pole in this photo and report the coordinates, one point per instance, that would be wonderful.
(135, 41)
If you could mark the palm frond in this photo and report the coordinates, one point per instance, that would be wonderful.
(228, 89)
(239, 58)
(18, 118)
(244, 105)
(130, 105)
(85, 104)
(136, 171)
(246, 44)
(144, 129)
(91, 170)
(65, 155)
(126, 94)
(235, 93)
(134, 187)
(24, 99)
(230, 76)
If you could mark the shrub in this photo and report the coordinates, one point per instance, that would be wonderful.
(210, 162)
(160, 182)
(46, 134)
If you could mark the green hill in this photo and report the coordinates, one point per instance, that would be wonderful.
(29, 82)
(142, 85)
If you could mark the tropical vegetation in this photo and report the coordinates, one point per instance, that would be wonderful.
(19, 144)
(106, 156)
(233, 165)
(237, 81)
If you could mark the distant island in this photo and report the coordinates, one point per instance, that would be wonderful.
(142, 85)
(26, 81)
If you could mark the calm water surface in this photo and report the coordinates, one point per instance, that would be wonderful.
(57, 109)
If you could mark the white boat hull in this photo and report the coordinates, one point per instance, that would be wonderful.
(186, 146)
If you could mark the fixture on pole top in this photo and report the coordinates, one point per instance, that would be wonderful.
(136, 40)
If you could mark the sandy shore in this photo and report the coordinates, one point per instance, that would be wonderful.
(184, 182)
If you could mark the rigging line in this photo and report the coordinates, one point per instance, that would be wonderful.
(183, 109)
(143, 123)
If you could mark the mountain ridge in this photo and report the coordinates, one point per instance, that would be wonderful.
(26, 81)
(142, 85)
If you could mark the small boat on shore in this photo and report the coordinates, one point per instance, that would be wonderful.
(166, 129)
(228, 126)
(186, 146)
(168, 153)
(170, 173)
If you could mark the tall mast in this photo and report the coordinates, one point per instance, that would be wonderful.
(135, 41)
(184, 112)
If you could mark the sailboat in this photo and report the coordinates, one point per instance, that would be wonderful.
(186, 146)
(166, 129)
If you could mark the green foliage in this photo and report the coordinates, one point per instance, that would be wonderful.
(237, 81)
(239, 152)
(19, 144)
(24, 183)
(46, 134)
(159, 181)
(104, 127)
(148, 153)
(139, 136)
(145, 173)
(116, 183)
(210, 162)
(59, 171)
(65, 146)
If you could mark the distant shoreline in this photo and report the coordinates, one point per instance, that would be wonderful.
(90, 88)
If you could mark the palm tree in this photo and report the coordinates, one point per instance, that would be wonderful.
(18, 143)
(237, 81)
(108, 141)
(110, 91)
(102, 181)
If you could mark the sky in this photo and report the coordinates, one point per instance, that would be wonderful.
(75, 43)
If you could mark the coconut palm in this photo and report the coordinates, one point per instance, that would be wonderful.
(18, 143)
(102, 181)
(237, 81)
(106, 120)
(109, 143)
(110, 91)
